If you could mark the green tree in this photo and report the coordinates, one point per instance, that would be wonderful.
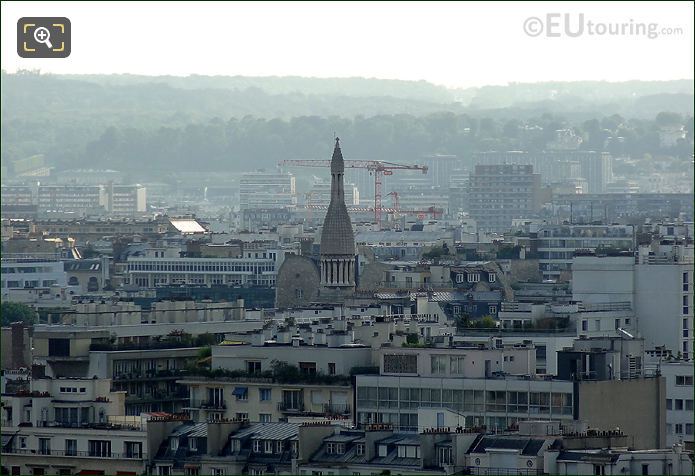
(16, 311)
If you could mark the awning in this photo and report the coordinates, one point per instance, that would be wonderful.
(240, 391)
(7, 439)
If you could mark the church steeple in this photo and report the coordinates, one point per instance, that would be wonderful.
(337, 239)
(337, 173)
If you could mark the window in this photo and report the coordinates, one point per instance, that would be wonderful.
(70, 447)
(359, 449)
(679, 404)
(679, 428)
(268, 446)
(684, 380)
(599, 470)
(264, 417)
(400, 363)
(492, 277)
(617, 324)
(133, 449)
(444, 455)
(330, 448)
(688, 428)
(257, 446)
(265, 394)
(191, 471)
(438, 364)
(101, 448)
(669, 404)
(22, 442)
(689, 405)
(492, 310)
(331, 368)
(253, 366)
(44, 446)
(163, 470)
(585, 325)
(241, 393)
(457, 364)
(459, 278)
(307, 368)
(473, 277)
(645, 469)
(217, 471)
(242, 416)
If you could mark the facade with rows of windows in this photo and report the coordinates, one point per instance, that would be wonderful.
(153, 272)
(497, 403)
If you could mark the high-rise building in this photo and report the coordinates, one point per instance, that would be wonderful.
(497, 194)
(267, 190)
(556, 165)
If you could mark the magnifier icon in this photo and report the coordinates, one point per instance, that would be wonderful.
(42, 35)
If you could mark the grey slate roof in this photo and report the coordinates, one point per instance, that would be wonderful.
(527, 446)
(268, 431)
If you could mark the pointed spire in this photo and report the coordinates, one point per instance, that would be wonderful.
(337, 165)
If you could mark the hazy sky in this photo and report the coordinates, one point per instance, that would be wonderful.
(455, 44)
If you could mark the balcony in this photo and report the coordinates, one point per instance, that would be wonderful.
(75, 454)
(336, 408)
(291, 407)
(208, 405)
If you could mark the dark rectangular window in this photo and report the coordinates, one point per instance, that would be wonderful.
(59, 347)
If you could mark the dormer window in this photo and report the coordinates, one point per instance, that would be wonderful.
(492, 277)
(459, 278)
(359, 449)
(383, 450)
(257, 445)
(330, 448)
(473, 277)
(408, 451)
(174, 444)
(268, 447)
(340, 448)
(193, 444)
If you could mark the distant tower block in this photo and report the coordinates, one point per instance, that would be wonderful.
(337, 240)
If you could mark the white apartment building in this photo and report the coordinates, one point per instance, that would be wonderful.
(267, 190)
(32, 279)
(664, 297)
(657, 284)
(680, 416)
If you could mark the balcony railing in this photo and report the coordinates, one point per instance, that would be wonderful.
(290, 407)
(336, 408)
(207, 404)
(76, 454)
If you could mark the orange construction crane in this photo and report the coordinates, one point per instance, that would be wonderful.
(377, 167)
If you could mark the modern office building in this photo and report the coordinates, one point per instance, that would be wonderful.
(267, 190)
